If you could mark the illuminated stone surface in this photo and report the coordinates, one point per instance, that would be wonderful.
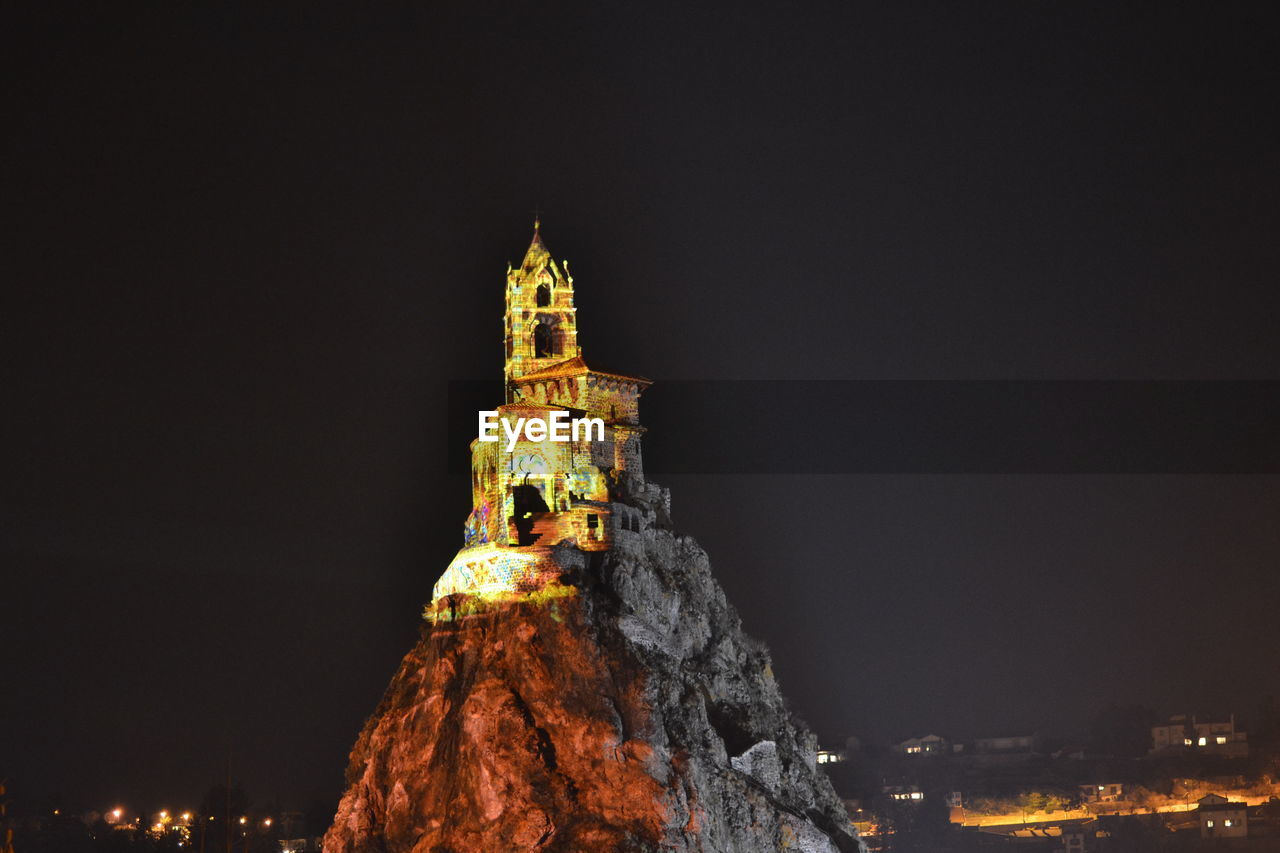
(536, 494)
(592, 691)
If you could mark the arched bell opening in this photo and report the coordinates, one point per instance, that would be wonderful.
(543, 341)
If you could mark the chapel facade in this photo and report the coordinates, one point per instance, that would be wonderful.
(540, 494)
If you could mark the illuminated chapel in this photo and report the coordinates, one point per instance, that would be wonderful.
(539, 494)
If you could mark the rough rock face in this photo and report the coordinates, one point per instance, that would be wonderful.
(624, 709)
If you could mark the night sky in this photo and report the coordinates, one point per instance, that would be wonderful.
(245, 254)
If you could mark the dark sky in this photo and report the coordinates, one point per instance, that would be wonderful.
(245, 252)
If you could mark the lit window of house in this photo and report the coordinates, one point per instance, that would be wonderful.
(1227, 822)
(1186, 741)
(1221, 739)
(1203, 741)
(1209, 823)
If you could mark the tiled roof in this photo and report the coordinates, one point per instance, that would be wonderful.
(573, 367)
(570, 367)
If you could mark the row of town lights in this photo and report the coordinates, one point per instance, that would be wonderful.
(118, 813)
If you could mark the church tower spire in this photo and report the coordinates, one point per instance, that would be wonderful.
(540, 324)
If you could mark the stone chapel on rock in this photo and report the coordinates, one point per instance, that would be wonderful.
(540, 493)
(581, 681)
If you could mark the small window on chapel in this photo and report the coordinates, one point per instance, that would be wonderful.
(593, 521)
(544, 296)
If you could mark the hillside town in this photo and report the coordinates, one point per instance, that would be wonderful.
(1130, 781)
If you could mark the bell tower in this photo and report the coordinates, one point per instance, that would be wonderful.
(540, 324)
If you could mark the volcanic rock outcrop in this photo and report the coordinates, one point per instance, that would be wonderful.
(581, 683)
(623, 708)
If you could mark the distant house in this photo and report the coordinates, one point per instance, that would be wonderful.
(1220, 818)
(1102, 792)
(1079, 837)
(903, 792)
(1007, 745)
(852, 746)
(1212, 737)
(300, 845)
(927, 745)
